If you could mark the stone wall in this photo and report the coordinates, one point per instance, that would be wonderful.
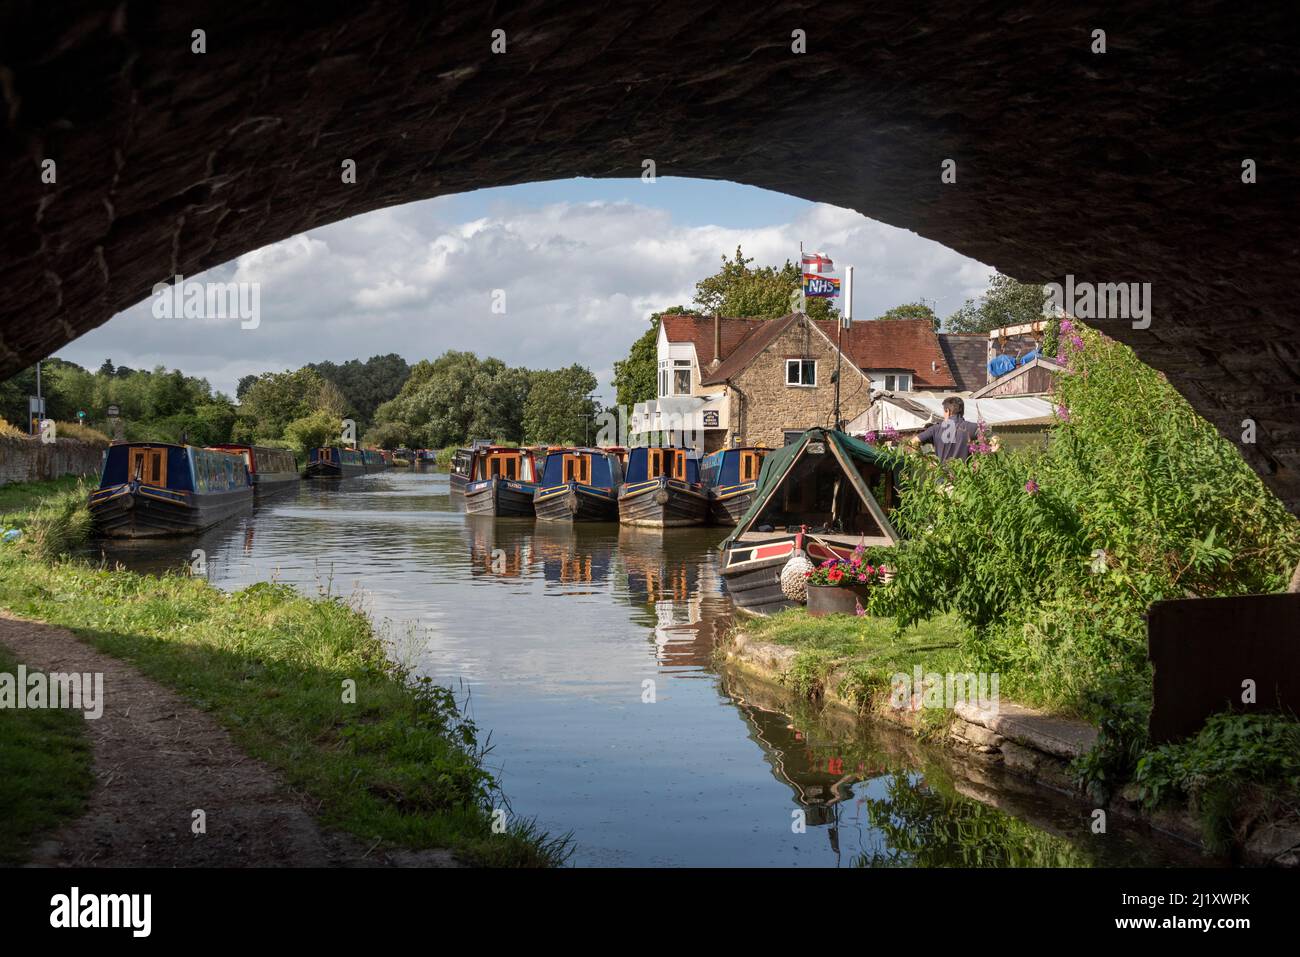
(31, 460)
(763, 406)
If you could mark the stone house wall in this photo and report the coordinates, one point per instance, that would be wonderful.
(763, 407)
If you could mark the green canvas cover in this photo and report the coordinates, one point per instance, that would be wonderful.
(777, 464)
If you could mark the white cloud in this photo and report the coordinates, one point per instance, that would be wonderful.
(580, 281)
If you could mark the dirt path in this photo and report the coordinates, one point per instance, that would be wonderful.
(157, 758)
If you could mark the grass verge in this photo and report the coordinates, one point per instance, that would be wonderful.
(45, 772)
(301, 683)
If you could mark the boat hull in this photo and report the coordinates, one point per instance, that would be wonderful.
(752, 571)
(576, 503)
(500, 497)
(332, 470)
(662, 503)
(147, 512)
(729, 507)
(458, 483)
(273, 483)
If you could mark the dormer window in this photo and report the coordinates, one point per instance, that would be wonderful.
(681, 377)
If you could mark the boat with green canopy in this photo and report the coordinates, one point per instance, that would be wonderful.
(814, 502)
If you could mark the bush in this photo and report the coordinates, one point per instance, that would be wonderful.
(1052, 558)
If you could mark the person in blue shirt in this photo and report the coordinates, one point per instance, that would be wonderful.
(952, 437)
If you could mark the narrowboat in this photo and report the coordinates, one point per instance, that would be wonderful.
(374, 460)
(661, 489)
(151, 490)
(814, 501)
(731, 475)
(269, 470)
(462, 460)
(579, 485)
(502, 482)
(334, 462)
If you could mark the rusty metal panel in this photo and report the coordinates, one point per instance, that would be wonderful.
(1204, 650)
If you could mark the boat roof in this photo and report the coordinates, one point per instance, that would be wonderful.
(782, 461)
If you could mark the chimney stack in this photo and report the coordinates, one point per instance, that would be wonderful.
(717, 341)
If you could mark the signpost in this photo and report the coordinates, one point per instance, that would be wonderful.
(35, 412)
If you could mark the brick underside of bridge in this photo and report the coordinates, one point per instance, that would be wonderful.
(1119, 167)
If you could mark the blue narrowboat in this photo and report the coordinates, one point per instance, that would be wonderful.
(502, 482)
(374, 460)
(731, 476)
(149, 490)
(269, 470)
(579, 485)
(334, 462)
(661, 488)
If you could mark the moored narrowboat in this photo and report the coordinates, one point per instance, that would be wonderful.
(579, 485)
(731, 475)
(502, 482)
(813, 502)
(269, 470)
(332, 462)
(151, 490)
(462, 461)
(374, 460)
(661, 489)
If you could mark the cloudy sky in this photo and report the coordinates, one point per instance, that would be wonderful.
(582, 262)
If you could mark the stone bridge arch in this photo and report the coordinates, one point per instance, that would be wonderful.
(1117, 166)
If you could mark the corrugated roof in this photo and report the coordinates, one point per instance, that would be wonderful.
(992, 409)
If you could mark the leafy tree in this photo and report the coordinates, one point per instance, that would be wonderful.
(312, 431)
(765, 292)
(275, 400)
(1006, 302)
(390, 435)
(366, 385)
(557, 408)
(107, 368)
(912, 310)
(245, 382)
(459, 395)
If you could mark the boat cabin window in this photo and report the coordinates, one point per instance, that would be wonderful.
(149, 466)
(819, 494)
(577, 468)
(750, 462)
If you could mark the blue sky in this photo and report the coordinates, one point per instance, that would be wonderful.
(579, 264)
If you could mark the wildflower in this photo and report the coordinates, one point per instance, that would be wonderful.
(1067, 325)
(1076, 342)
(871, 438)
(1063, 413)
(891, 433)
(1031, 487)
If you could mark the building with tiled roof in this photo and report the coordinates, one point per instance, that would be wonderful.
(729, 381)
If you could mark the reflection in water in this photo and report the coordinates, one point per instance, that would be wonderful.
(556, 629)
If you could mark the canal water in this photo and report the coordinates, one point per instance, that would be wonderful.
(586, 652)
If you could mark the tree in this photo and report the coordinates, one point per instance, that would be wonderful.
(312, 431)
(912, 310)
(1006, 302)
(106, 369)
(367, 385)
(557, 408)
(245, 382)
(762, 293)
(458, 396)
(275, 400)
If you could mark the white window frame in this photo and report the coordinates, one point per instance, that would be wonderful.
(680, 365)
(801, 384)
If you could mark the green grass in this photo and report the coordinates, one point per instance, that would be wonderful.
(401, 765)
(45, 773)
(869, 651)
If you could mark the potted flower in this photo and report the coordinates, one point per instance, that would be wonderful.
(840, 586)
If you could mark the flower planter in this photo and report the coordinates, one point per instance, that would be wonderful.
(836, 599)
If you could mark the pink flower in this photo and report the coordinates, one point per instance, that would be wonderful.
(1063, 413)
(1067, 325)
(1031, 487)
(891, 433)
(1076, 342)
(871, 438)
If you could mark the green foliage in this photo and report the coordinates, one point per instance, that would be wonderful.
(765, 292)
(313, 431)
(278, 398)
(1234, 760)
(59, 524)
(635, 377)
(459, 396)
(45, 772)
(912, 310)
(365, 386)
(1136, 499)
(1006, 302)
(557, 408)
